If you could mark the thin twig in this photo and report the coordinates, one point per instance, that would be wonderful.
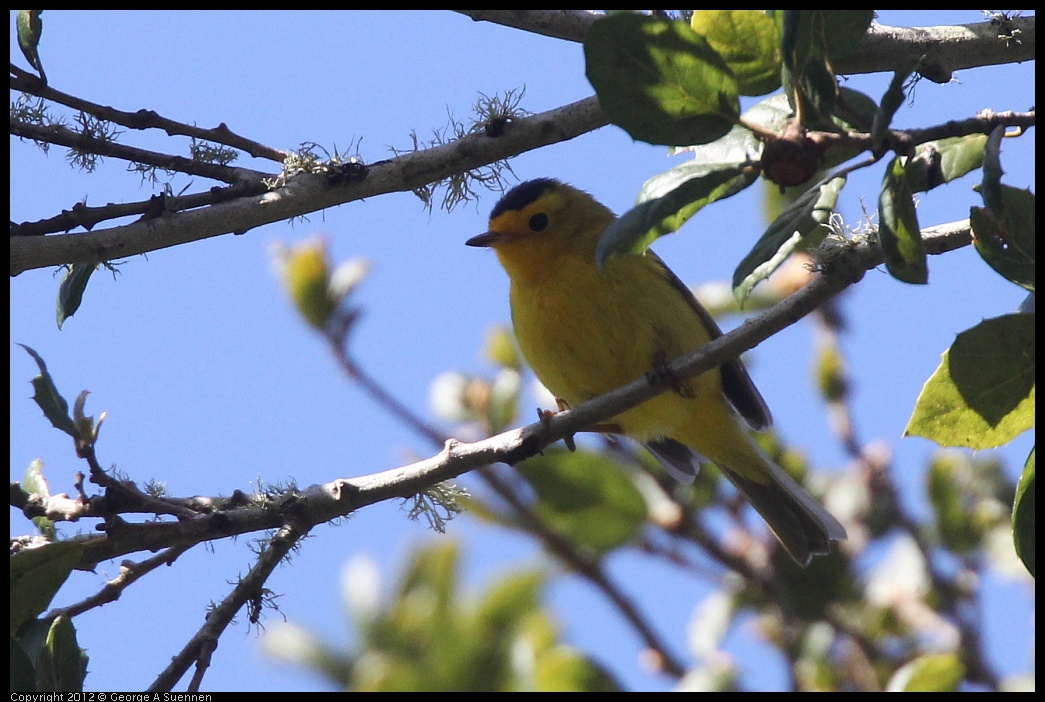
(308, 193)
(63, 136)
(320, 503)
(199, 648)
(111, 591)
(145, 119)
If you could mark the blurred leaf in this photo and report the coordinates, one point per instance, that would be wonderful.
(500, 348)
(61, 665)
(1006, 243)
(803, 223)
(812, 591)
(504, 400)
(948, 479)
(47, 397)
(829, 368)
(710, 621)
(748, 42)
(660, 81)
(70, 292)
(899, 233)
(982, 395)
(1023, 515)
(36, 576)
(941, 672)
(306, 273)
(697, 185)
(511, 599)
(564, 669)
(430, 637)
(587, 497)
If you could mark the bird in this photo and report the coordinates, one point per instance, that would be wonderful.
(586, 329)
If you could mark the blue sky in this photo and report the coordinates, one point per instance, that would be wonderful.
(210, 381)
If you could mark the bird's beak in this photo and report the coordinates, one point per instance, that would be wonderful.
(485, 239)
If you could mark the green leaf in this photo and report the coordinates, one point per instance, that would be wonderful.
(36, 576)
(510, 600)
(890, 103)
(695, 185)
(1006, 243)
(587, 497)
(22, 677)
(748, 42)
(803, 223)
(660, 81)
(844, 29)
(34, 483)
(990, 186)
(30, 28)
(899, 233)
(809, 41)
(982, 395)
(1023, 515)
(47, 397)
(948, 480)
(937, 162)
(941, 672)
(564, 669)
(62, 664)
(70, 293)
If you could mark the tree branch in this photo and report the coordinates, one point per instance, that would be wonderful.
(946, 48)
(63, 136)
(144, 119)
(248, 589)
(308, 193)
(338, 498)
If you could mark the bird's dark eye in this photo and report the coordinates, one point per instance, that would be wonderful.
(539, 222)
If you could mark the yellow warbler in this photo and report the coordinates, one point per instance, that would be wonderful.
(585, 331)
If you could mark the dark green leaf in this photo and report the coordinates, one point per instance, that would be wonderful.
(47, 397)
(810, 40)
(808, 83)
(587, 497)
(990, 187)
(803, 223)
(899, 233)
(61, 665)
(660, 81)
(30, 28)
(844, 29)
(1006, 243)
(938, 162)
(696, 185)
(36, 576)
(1023, 515)
(749, 43)
(70, 293)
(982, 395)
(22, 673)
(891, 102)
